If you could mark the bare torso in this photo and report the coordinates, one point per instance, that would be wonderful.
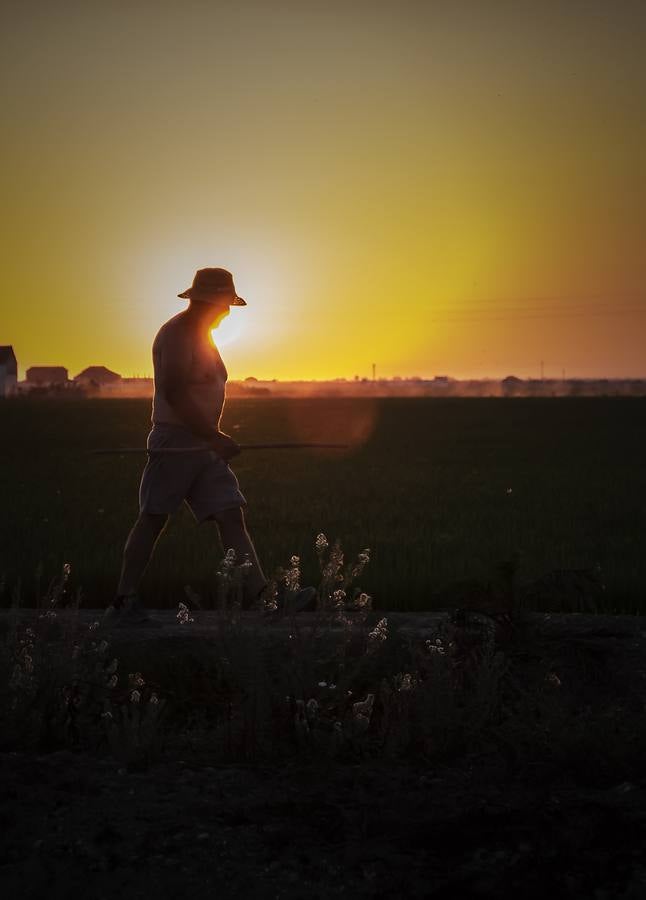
(179, 343)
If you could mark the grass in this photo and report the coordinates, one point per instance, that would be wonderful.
(345, 687)
(438, 489)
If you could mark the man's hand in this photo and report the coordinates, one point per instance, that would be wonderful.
(225, 446)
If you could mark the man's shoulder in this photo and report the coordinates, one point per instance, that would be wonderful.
(173, 330)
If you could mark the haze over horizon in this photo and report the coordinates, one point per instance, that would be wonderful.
(441, 189)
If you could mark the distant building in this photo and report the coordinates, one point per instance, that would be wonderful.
(46, 376)
(131, 387)
(511, 385)
(97, 377)
(8, 372)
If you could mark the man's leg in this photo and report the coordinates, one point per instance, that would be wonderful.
(138, 550)
(234, 534)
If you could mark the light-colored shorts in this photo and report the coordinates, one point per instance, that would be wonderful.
(201, 479)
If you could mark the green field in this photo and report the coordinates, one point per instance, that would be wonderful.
(426, 487)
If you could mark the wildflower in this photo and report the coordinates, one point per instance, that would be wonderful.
(224, 573)
(154, 699)
(93, 626)
(113, 681)
(67, 570)
(49, 614)
(321, 543)
(436, 647)
(136, 679)
(363, 559)
(335, 561)
(269, 596)
(338, 598)
(183, 616)
(363, 600)
(135, 697)
(292, 579)
(378, 634)
(509, 490)
(363, 707)
(361, 712)
(323, 684)
(404, 682)
(292, 576)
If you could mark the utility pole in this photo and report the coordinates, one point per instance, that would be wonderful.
(374, 369)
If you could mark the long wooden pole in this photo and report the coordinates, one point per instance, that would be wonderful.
(171, 450)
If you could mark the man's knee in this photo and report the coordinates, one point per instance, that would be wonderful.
(228, 517)
(153, 522)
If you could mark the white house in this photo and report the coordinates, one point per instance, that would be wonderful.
(8, 372)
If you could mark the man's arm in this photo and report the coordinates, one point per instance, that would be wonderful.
(175, 383)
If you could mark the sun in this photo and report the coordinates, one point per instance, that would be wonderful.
(229, 329)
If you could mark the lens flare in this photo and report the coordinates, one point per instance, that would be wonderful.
(229, 329)
(337, 419)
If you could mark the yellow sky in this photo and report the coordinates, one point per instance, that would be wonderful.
(440, 188)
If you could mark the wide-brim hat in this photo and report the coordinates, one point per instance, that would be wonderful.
(208, 283)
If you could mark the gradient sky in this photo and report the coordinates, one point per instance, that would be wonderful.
(438, 187)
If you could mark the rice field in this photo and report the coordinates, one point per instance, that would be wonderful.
(438, 489)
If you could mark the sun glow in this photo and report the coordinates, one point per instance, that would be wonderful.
(229, 329)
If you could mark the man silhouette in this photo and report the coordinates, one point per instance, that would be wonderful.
(190, 380)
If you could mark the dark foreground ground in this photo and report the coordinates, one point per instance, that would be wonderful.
(566, 819)
(84, 827)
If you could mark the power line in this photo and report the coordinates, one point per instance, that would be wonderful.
(490, 309)
(458, 316)
(567, 300)
(575, 307)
